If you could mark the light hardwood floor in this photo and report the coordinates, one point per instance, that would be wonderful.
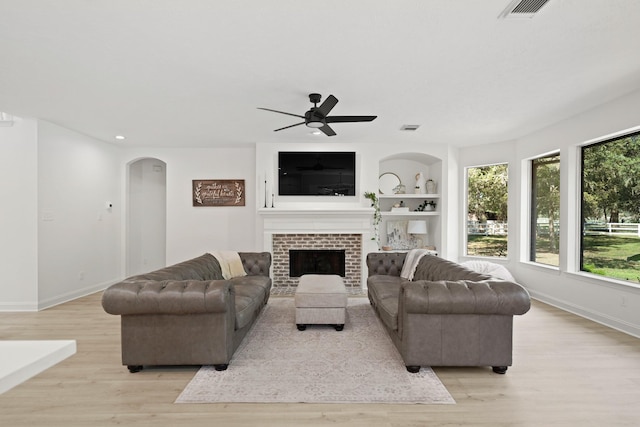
(567, 371)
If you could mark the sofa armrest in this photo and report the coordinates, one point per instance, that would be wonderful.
(385, 263)
(256, 263)
(464, 297)
(168, 297)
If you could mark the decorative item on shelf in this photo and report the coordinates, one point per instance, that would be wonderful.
(428, 206)
(420, 183)
(376, 213)
(387, 182)
(399, 189)
(416, 227)
(399, 207)
(430, 186)
(397, 236)
(265, 193)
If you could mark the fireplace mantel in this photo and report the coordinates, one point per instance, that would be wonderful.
(357, 220)
(278, 220)
(315, 211)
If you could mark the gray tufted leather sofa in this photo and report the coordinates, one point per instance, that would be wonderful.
(447, 315)
(186, 314)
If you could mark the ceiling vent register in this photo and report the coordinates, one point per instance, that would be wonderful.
(523, 8)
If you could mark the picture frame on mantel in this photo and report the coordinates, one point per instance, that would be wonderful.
(218, 192)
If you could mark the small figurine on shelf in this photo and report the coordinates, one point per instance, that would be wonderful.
(399, 189)
(420, 183)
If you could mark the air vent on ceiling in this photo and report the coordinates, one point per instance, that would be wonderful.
(410, 127)
(522, 9)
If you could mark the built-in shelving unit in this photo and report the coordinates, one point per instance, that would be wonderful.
(405, 166)
(412, 201)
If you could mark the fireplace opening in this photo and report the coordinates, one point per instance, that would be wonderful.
(316, 261)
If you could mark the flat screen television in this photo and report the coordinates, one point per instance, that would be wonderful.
(310, 173)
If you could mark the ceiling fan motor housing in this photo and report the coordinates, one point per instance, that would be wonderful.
(312, 120)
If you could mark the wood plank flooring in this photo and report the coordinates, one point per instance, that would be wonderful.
(567, 371)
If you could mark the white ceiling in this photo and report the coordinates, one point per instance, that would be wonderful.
(192, 72)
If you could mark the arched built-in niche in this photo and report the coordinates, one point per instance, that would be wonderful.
(406, 166)
(146, 216)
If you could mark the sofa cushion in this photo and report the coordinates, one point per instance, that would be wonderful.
(490, 268)
(384, 291)
(250, 294)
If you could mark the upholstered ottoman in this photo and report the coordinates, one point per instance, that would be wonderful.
(320, 300)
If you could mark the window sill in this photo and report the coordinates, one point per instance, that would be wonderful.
(603, 281)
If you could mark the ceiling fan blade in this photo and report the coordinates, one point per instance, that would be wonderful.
(327, 130)
(345, 119)
(281, 112)
(327, 105)
(287, 127)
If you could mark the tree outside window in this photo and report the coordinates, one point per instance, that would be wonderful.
(610, 244)
(487, 210)
(545, 210)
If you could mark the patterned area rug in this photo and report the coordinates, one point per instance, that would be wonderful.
(277, 363)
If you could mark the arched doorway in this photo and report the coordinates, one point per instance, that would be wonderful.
(146, 216)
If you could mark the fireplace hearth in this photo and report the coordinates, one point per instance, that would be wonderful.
(316, 261)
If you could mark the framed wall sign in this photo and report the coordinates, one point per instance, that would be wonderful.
(218, 192)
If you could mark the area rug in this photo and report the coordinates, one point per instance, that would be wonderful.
(276, 363)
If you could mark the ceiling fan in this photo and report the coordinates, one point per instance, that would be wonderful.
(318, 118)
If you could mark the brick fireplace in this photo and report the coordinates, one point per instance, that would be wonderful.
(350, 243)
(300, 228)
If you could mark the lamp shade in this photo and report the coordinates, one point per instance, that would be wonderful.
(417, 227)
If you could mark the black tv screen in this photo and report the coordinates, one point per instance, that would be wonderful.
(309, 173)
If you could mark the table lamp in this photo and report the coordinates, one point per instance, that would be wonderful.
(416, 227)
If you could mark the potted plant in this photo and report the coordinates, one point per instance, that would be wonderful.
(373, 197)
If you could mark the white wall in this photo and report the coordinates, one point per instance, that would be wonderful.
(146, 229)
(192, 231)
(614, 303)
(18, 216)
(78, 237)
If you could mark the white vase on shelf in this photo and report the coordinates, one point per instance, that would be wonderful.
(430, 186)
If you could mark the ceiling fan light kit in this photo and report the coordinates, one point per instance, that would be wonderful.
(318, 117)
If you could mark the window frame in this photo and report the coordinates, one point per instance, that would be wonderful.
(465, 216)
(532, 212)
(579, 212)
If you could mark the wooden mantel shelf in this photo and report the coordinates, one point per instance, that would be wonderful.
(315, 211)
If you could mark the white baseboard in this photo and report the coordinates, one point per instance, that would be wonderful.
(603, 319)
(18, 306)
(78, 293)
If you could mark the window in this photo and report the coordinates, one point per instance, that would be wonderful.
(487, 210)
(545, 210)
(610, 208)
